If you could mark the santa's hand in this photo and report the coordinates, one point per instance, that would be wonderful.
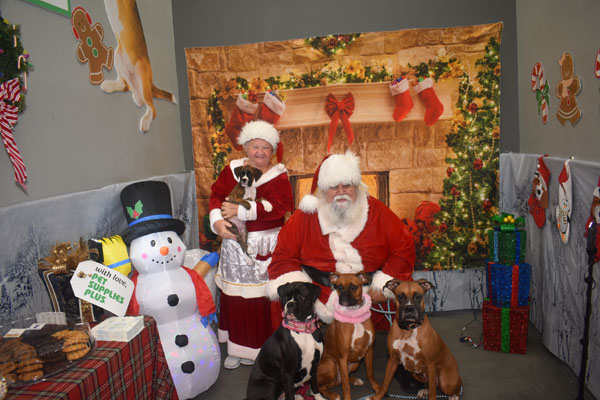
(377, 296)
(221, 228)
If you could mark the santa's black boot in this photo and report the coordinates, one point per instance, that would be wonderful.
(407, 383)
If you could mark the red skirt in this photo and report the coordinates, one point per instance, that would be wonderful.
(248, 321)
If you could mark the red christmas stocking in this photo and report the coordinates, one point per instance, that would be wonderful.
(271, 110)
(243, 113)
(433, 106)
(404, 103)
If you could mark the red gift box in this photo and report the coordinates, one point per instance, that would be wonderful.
(505, 328)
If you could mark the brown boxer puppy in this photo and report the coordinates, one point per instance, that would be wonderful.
(349, 338)
(414, 342)
(240, 194)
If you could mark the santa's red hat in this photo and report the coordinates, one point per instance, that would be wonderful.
(337, 169)
(260, 130)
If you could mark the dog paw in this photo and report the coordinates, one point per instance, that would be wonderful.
(423, 394)
(356, 381)
(298, 397)
(318, 396)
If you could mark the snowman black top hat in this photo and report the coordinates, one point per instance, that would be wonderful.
(147, 207)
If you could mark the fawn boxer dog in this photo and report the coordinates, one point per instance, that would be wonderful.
(350, 336)
(289, 357)
(413, 342)
(241, 193)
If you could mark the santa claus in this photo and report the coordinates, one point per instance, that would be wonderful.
(341, 228)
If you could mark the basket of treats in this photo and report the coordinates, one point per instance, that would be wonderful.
(31, 350)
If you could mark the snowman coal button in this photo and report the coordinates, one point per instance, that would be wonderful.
(181, 340)
(173, 300)
(188, 367)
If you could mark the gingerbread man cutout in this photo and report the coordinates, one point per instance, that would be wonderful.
(91, 49)
(566, 90)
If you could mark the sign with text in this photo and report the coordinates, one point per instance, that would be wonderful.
(102, 286)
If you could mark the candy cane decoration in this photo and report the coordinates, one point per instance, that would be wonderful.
(540, 86)
(19, 67)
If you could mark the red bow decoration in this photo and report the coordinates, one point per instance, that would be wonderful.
(11, 91)
(339, 110)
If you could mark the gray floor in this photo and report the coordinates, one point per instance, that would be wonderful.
(486, 374)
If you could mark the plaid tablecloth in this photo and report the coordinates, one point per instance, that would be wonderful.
(113, 370)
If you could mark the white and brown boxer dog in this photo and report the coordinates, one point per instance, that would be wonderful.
(350, 337)
(240, 194)
(289, 357)
(413, 342)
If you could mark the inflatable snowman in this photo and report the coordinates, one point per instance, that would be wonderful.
(175, 296)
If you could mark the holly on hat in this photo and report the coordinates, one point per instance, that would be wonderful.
(337, 169)
(147, 208)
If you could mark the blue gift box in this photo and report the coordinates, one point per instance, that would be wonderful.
(508, 285)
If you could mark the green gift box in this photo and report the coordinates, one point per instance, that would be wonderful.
(507, 247)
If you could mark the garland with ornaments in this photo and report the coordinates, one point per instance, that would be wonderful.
(441, 68)
(14, 65)
(331, 44)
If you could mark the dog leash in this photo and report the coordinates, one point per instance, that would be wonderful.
(412, 396)
(387, 314)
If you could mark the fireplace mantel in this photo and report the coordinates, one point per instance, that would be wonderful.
(373, 103)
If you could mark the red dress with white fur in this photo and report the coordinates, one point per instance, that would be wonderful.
(377, 242)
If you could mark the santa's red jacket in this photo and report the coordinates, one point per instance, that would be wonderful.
(376, 242)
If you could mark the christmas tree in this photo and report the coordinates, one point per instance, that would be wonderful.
(470, 192)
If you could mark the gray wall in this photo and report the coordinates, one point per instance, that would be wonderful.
(546, 28)
(74, 137)
(228, 22)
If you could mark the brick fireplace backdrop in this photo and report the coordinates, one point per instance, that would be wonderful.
(406, 160)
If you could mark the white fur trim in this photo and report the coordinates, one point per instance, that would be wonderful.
(339, 168)
(274, 104)
(271, 174)
(424, 84)
(267, 206)
(246, 106)
(325, 312)
(293, 276)
(309, 204)
(597, 192)
(378, 284)
(259, 130)
(399, 87)
(214, 216)
(247, 215)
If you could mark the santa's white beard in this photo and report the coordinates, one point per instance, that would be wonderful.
(342, 213)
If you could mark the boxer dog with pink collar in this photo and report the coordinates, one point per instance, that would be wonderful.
(350, 337)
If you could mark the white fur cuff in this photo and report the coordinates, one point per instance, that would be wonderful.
(379, 281)
(294, 276)
(214, 216)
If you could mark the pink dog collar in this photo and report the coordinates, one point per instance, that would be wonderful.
(352, 315)
(300, 326)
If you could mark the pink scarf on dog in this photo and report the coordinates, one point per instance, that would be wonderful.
(352, 315)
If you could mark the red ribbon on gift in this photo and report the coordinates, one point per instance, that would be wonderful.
(514, 295)
(339, 110)
(11, 91)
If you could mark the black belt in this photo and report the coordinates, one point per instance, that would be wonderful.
(320, 277)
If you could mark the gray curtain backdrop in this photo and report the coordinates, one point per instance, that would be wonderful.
(558, 289)
(30, 230)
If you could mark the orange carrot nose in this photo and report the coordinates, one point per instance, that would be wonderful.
(164, 251)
